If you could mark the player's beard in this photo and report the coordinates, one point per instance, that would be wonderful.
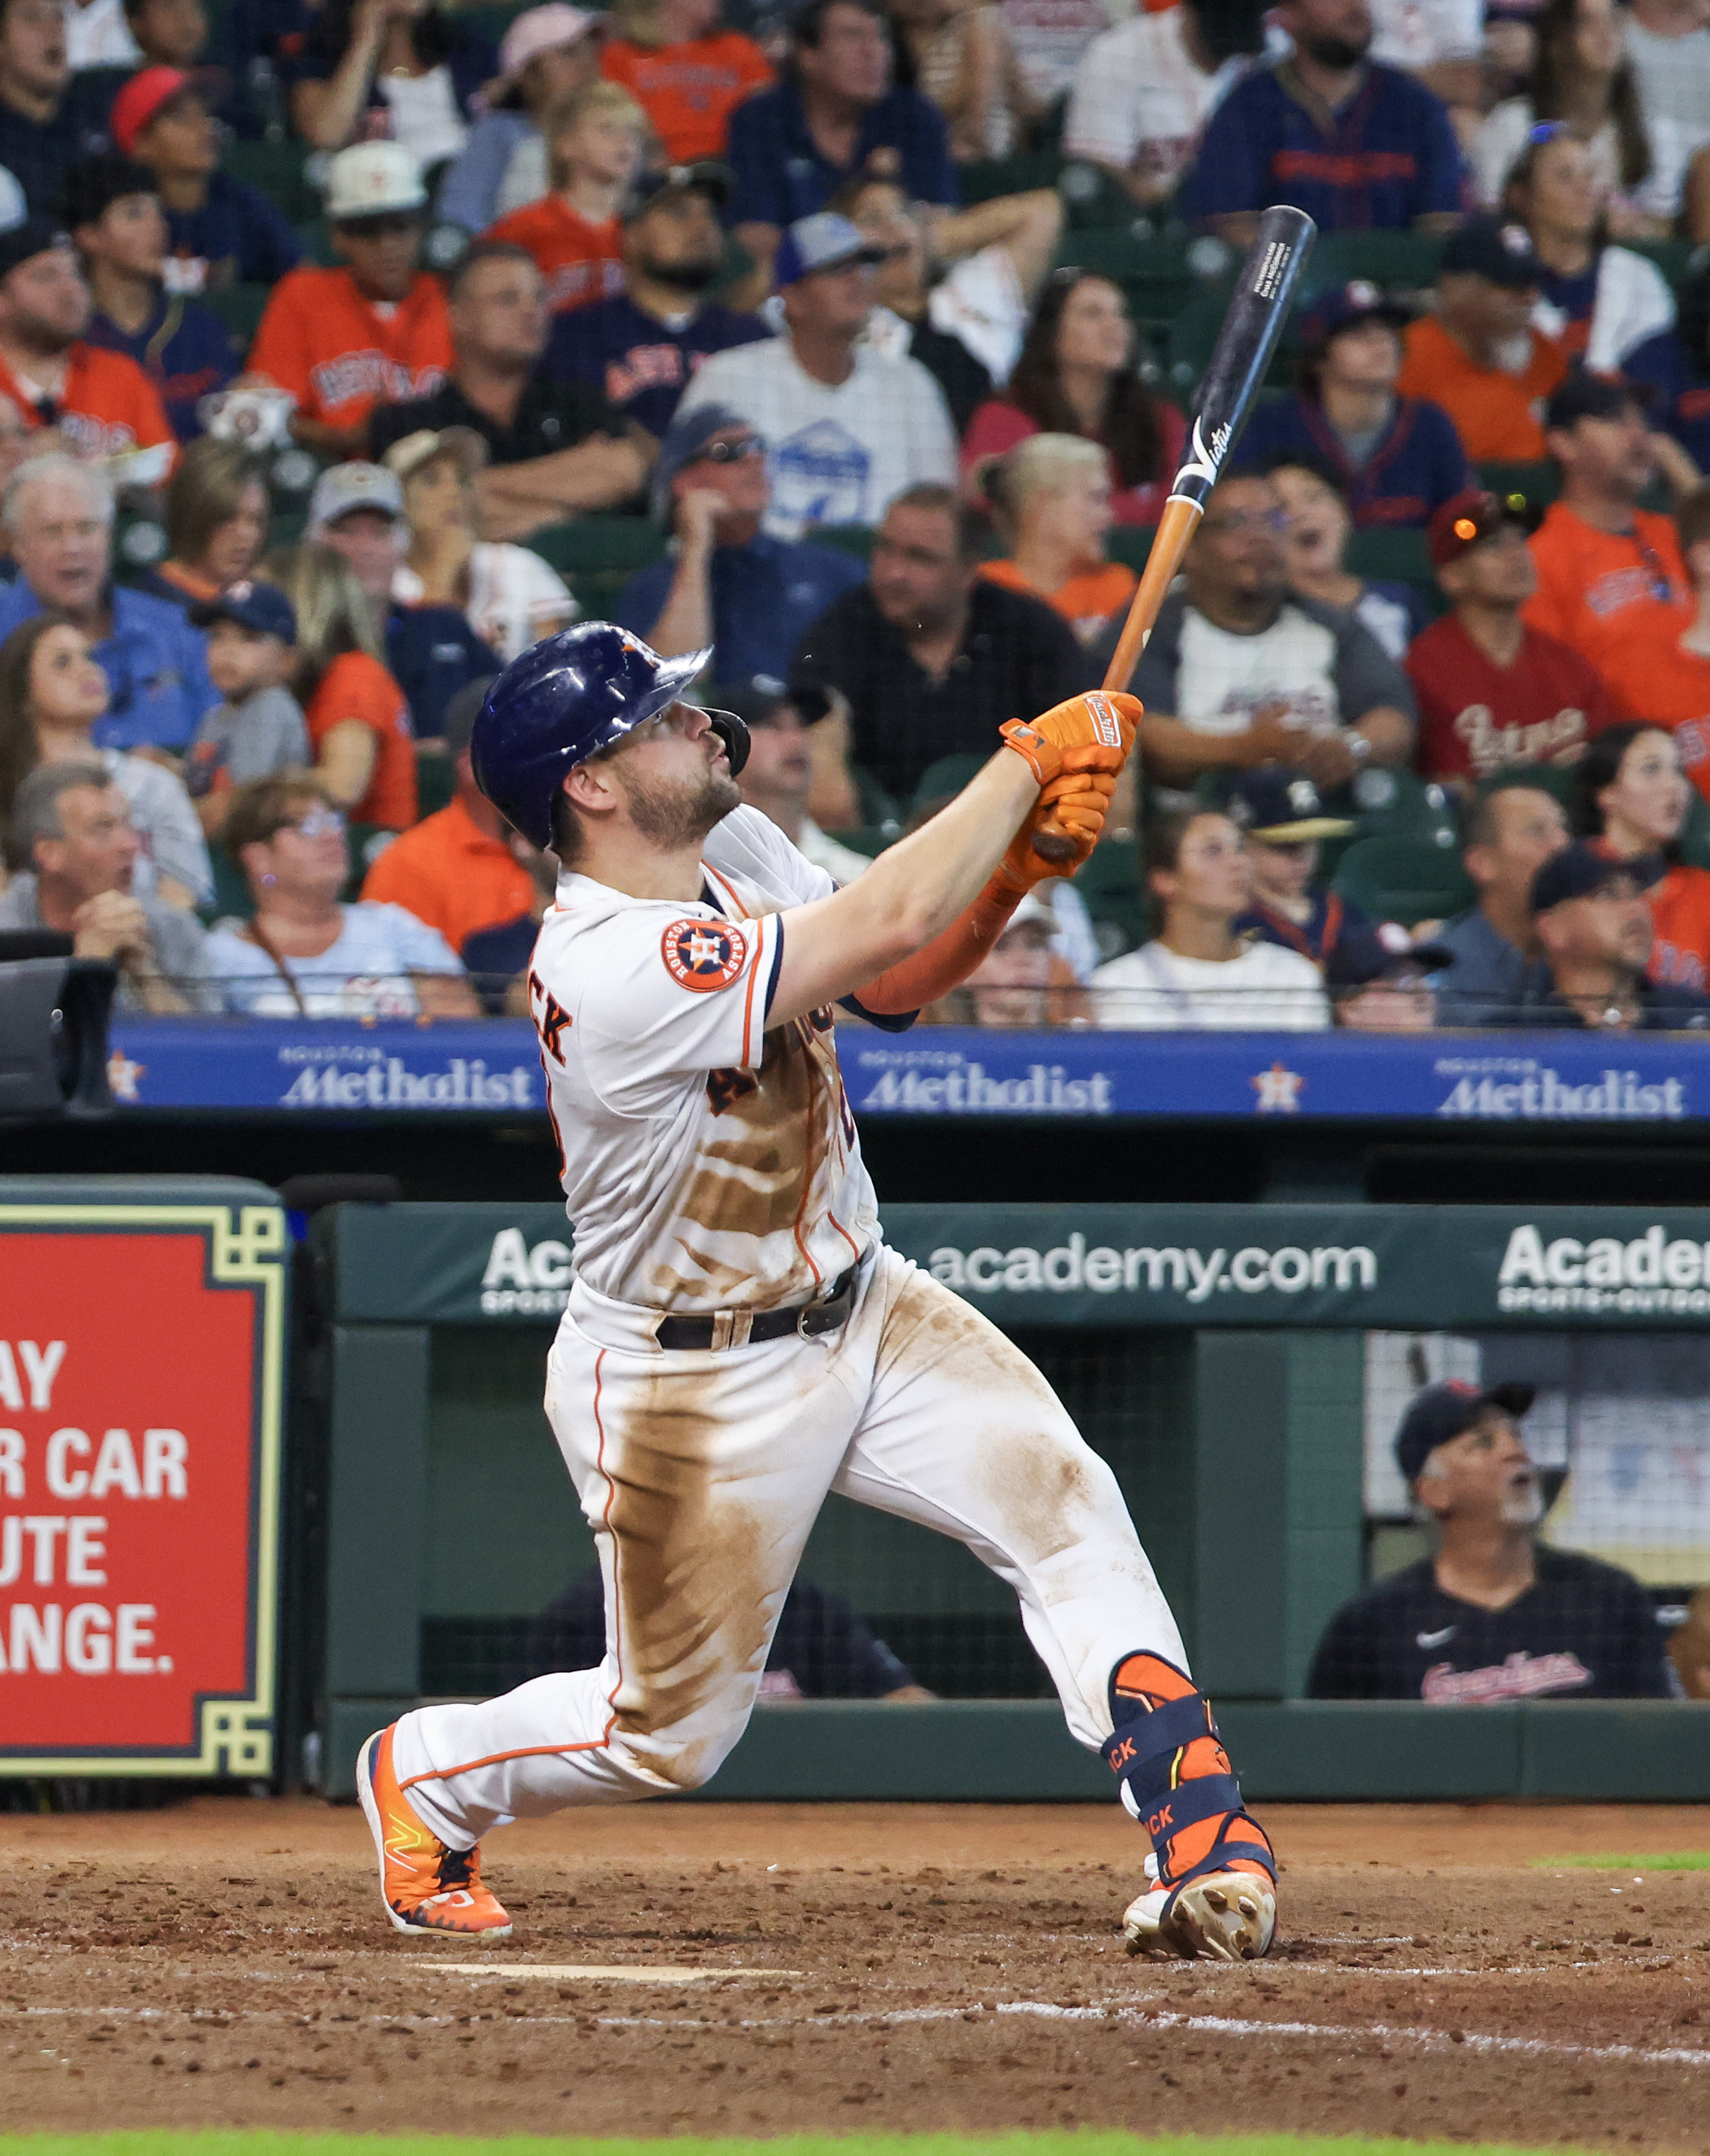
(676, 816)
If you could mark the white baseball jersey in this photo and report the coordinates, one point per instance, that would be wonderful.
(711, 1161)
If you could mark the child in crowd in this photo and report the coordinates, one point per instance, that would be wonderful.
(596, 138)
(260, 729)
(1284, 821)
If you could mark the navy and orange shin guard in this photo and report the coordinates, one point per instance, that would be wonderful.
(1176, 1777)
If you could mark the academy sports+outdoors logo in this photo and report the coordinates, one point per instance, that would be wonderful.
(1168, 1270)
(1653, 1272)
(703, 955)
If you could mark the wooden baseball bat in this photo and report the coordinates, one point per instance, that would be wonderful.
(1263, 294)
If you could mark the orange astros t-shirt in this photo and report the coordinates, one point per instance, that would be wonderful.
(1085, 602)
(452, 875)
(581, 259)
(689, 91)
(1680, 913)
(1656, 679)
(356, 686)
(340, 354)
(107, 406)
(1499, 417)
(1604, 591)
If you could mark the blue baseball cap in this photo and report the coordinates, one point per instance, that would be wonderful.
(1345, 306)
(823, 241)
(263, 607)
(1440, 1413)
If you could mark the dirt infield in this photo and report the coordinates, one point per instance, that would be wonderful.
(226, 1963)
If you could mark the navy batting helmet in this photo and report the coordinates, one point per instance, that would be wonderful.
(563, 701)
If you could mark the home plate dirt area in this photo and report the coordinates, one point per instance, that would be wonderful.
(1442, 1972)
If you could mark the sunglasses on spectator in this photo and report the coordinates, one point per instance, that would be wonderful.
(318, 824)
(730, 452)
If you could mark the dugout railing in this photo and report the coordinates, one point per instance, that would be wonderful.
(1222, 1357)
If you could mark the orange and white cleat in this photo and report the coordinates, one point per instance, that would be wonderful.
(426, 1886)
(1211, 1879)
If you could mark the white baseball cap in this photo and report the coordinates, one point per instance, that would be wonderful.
(374, 179)
(342, 488)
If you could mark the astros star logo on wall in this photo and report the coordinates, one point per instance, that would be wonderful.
(703, 954)
(1278, 1089)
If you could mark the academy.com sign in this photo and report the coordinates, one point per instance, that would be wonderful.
(1651, 1272)
(1195, 1274)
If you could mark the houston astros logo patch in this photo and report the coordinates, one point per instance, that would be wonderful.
(703, 954)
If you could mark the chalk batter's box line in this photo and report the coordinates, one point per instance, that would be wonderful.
(1139, 2018)
(235, 1733)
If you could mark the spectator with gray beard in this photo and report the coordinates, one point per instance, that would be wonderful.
(1493, 1615)
(76, 850)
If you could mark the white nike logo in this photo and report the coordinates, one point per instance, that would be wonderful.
(1436, 1638)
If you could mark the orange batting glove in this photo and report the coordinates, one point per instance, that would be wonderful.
(1076, 801)
(1101, 718)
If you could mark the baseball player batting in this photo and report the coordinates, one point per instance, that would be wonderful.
(738, 1339)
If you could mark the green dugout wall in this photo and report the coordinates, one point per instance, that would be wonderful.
(1214, 1354)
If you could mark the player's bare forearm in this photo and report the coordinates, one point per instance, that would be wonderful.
(912, 891)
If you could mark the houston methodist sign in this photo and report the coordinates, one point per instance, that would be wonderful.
(141, 1378)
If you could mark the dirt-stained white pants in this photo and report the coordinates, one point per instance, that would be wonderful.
(701, 1473)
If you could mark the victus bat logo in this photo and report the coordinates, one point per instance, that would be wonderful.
(1204, 461)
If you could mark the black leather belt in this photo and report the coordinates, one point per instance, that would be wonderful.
(740, 1328)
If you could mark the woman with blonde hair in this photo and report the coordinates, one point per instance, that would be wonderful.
(357, 717)
(215, 521)
(686, 71)
(594, 139)
(963, 59)
(1052, 498)
(509, 596)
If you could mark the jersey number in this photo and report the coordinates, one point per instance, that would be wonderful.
(553, 1019)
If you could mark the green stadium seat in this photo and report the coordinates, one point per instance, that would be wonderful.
(436, 780)
(1538, 485)
(1398, 260)
(1387, 803)
(985, 178)
(241, 307)
(1694, 840)
(231, 899)
(1405, 879)
(939, 781)
(869, 839)
(275, 169)
(1554, 779)
(598, 554)
(856, 539)
(1130, 544)
(1109, 886)
(1398, 556)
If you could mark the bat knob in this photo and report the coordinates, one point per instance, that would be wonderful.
(1056, 847)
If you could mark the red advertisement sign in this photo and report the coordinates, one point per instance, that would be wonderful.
(141, 1357)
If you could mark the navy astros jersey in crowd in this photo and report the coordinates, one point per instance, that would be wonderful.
(185, 351)
(1386, 156)
(643, 364)
(1582, 1630)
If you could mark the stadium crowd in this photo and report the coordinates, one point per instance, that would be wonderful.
(855, 345)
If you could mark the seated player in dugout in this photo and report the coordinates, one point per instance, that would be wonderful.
(738, 1340)
(1494, 1615)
